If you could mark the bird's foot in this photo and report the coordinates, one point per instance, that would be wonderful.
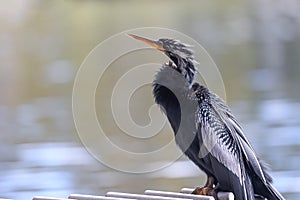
(207, 189)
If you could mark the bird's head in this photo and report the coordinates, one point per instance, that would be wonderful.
(181, 57)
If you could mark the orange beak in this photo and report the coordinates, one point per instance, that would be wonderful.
(152, 43)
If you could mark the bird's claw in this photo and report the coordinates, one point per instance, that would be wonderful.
(207, 191)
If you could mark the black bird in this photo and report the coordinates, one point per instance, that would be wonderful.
(205, 128)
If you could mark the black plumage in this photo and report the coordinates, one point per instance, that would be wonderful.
(205, 128)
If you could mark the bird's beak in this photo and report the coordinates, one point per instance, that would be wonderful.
(152, 43)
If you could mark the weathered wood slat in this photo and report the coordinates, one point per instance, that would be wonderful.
(221, 195)
(93, 197)
(185, 194)
(178, 195)
(187, 190)
(140, 196)
(47, 198)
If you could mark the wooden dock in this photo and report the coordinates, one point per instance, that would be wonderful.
(184, 194)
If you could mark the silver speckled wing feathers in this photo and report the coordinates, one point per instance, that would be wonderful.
(217, 140)
(236, 131)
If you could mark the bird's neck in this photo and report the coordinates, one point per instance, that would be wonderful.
(168, 81)
(170, 90)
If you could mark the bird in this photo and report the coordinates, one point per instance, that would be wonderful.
(205, 128)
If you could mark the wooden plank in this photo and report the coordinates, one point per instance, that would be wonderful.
(187, 190)
(185, 194)
(93, 197)
(221, 195)
(178, 195)
(47, 198)
(140, 196)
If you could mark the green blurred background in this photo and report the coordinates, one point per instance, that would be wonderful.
(255, 44)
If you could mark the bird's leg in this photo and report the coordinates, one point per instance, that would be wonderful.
(207, 189)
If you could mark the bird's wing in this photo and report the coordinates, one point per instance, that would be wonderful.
(219, 144)
(217, 140)
(238, 136)
(226, 150)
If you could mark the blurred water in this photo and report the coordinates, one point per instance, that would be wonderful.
(61, 168)
(254, 43)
